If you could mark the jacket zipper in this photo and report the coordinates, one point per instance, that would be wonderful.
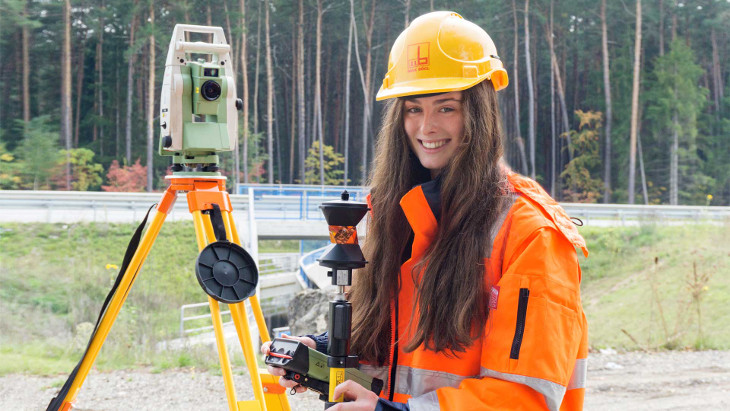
(520, 328)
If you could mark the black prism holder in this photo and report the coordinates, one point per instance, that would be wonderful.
(342, 257)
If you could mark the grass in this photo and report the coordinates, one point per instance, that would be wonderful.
(54, 278)
(637, 286)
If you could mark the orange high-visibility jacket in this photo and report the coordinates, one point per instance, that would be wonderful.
(533, 352)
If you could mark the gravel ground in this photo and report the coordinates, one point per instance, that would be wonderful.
(616, 381)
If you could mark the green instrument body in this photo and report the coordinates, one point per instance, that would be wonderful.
(309, 367)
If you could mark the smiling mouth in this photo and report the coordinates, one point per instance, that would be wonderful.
(433, 144)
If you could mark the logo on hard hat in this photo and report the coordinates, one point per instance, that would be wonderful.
(418, 58)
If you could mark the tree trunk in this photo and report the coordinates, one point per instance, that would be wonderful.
(100, 81)
(244, 81)
(26, 66)
(79, 90)
(117, 105)
(635, 105)
(369, 26)
(530, 93)
(66, 88)
(407, 4)
(151, 99)
(609, 114)
(256, 75)
(536, 84)
(561, 99)
(229, 35)
(553, 133)
(516, 88)
(130, 80)
(269, 99)
(717, 85)
(674, 147)
(661, 27)
(641, 169)
(300, 94)
(293, 124)
(318, 90)
(234, 59)
(347, 95)
(277, 139)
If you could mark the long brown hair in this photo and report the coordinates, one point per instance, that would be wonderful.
(451, 294)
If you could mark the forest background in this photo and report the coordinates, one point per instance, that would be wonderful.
(596, 110)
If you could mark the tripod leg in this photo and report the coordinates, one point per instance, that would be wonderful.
(266, 386)
(116, 304)
(254, 300)
(203, 232)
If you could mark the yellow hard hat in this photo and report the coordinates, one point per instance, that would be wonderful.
(441, 52)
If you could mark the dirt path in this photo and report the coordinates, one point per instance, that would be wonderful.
(659, 381)
(631, 381)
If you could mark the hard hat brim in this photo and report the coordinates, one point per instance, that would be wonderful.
(441, 85)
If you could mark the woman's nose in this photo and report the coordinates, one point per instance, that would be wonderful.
(428, 125)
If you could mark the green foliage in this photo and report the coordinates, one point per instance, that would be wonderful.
(9, 170)
(332, 162)
(580, 183)
(38, 151)
(577, 38)
(675, 94)
(85, 174)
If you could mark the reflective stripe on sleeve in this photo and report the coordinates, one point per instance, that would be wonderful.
(552, 392)
(578, 379)
(375, 371)
(416, 382)
(426, 402)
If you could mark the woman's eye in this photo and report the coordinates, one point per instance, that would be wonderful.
(446, 109)
(413, 110)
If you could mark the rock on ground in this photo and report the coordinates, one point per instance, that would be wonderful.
(308, 312)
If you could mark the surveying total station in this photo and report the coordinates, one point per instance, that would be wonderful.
(198, 120)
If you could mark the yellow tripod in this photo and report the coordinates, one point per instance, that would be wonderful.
(203, 193)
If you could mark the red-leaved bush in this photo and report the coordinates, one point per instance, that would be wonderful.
(127, 178)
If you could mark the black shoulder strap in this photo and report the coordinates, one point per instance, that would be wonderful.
(217, 220)
(57, 401)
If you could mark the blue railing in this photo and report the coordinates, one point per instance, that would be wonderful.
(307, 260)
(296, 202)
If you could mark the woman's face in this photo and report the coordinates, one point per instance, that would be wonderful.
(435, 128)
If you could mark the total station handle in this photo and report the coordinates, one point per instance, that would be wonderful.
(178, 46)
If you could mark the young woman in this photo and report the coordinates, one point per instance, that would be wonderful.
(475, 265)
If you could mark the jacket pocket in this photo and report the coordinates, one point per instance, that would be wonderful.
(521, 320)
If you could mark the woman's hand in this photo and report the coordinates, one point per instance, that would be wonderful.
(358, 397)
(278, 371)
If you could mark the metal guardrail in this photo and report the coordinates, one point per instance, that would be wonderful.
(297, 201)
(308, 260)
(276, 290)
(270, 263)
(646, 212)
(278, 205)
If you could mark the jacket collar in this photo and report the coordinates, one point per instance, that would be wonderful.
(421, 206)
